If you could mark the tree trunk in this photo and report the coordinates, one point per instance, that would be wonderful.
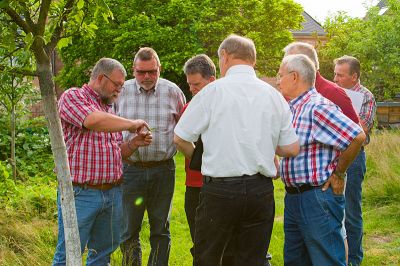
(13, 161)
(72, 241)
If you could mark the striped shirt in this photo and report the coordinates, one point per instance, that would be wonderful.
(324, 131)
(161, 108)
(94, 157)
(368, 108)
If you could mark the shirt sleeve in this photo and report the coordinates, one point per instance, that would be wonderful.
(75, 107)
(333, 128)
(368, 110)
(193, 121)
(287, 134)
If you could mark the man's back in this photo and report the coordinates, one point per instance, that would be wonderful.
(243, 117)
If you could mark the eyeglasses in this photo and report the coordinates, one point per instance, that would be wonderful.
(119, 86)
(151, 72)
(279, 76)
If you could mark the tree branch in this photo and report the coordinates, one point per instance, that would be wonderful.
(27, 15)
(24, 72)
(44, 11)
(60, 27)
(18, 20)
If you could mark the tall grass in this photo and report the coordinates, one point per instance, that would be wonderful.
(28, 226)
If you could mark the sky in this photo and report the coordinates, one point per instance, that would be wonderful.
(320, 9)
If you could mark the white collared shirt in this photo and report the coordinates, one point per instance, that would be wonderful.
(241, 120)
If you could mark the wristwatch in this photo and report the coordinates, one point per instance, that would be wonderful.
(341, 175)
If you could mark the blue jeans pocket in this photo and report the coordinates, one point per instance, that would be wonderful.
(77, 190)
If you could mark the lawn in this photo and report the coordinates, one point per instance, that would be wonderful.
(28, 222)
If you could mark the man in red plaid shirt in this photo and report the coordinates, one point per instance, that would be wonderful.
(347, 75)
(92, 134)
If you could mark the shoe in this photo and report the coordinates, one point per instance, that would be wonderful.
(268, 257)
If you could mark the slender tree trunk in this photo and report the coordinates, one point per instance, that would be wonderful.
(72, 241)
(13, 161)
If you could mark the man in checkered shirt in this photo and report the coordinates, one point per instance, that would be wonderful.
(315, 178)
(94, 148)
(149, 174)
(347, 75)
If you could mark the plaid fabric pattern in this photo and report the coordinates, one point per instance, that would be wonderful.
(161, 108)
(368, 108)
(323, 132)
(94, 157)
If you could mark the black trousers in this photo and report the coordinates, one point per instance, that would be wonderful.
(242, 209)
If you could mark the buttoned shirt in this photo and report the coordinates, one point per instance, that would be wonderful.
(324, 131)
(368, 108)
(160, 108)
(94, 157)
(241, 120)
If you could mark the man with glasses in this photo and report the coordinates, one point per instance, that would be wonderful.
(149, 174)
(314, 179)
(94, 147)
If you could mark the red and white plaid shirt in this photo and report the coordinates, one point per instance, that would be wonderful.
(368, 108)
(94, 157)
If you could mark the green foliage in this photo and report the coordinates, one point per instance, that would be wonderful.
(33, 150)
(178, 30)
(374, 41)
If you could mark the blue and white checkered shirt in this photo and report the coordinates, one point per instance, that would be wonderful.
(324, 131)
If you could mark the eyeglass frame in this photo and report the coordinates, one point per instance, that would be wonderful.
(151, 72)
(279, 77)
(121, 87)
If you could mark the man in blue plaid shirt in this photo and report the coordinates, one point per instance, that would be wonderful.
(315, 179)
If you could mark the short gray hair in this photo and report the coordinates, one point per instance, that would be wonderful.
(303, 65)
(302, 48)
(146, 54)
(240, 47)
(106, 66)
(201, 64)
(354, 64)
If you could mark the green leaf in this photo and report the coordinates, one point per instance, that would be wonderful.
(64, 42)
(4, 3)
(80, 4)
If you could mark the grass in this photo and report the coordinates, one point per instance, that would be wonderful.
(29, 237)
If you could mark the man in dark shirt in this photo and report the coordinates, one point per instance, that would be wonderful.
(326, 88)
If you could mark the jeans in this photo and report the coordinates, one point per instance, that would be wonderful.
(312, 225)
(242, 210)
(353, 218)
(148, 189)
(192, 201)
(99, 214)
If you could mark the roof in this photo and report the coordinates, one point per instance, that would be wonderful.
(310, 27)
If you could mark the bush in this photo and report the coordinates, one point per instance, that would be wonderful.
(32, 147)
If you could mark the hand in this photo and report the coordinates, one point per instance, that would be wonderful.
(138, 126)
(140, 140)
(336, 183)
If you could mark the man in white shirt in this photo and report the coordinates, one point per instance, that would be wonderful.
(243, 122)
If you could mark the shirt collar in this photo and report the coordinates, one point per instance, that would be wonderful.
(356, 87)
(240, 69)
(140, 89)
(94, 95)
(297, 101)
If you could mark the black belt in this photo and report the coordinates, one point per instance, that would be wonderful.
(105, 186)
(148, 164)
(208, 179)
(300, 189)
